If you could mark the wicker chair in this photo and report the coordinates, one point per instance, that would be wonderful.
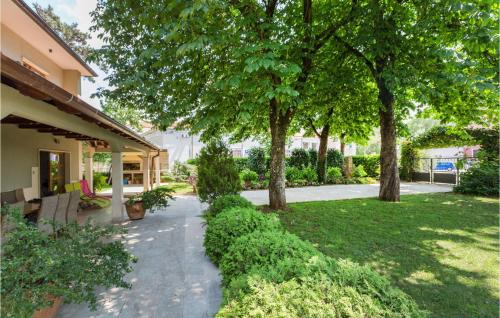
(61, 210)
(74, 200)
(47, 213)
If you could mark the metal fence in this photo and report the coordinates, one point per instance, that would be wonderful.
(442, 170)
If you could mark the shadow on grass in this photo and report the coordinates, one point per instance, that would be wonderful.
(442, 249)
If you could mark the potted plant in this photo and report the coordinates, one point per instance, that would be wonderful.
(39, 271)
(148, 200)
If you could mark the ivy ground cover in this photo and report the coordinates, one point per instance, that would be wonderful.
(442, 249)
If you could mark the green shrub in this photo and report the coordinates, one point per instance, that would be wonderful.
(334, 175)
(481, 179)
(193, 162)
(182, 171)
(257, 160)
(241, 163)
(299, 158)
(217, 173)
(71, 264)
(232, 223)
(371, 164)
(166, 177)
(359, 172)
(262, 249)
(292, 174)
(224, 202)
(100, 181)
(309, 174)
(334, 158)
(345, 274)
(248, 175)
(409, 161)
(318, 297)
(313, 157)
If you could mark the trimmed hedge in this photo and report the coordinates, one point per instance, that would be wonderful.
(313, 297)
(225, 202)
(268, 272)
(262, 249)
(371, 164)
(233, 223)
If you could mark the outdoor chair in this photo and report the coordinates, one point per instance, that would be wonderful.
(47, 213)
(74, 200)
(20, 195)
(62, 208)
(86, 191)
(8, 197)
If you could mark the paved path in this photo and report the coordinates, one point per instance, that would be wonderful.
(173, 277)
(341, 191)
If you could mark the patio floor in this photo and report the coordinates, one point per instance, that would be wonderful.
(172, 278)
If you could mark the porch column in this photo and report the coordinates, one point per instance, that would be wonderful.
(89, 167)
(117, 176)
(157, 171)
(146, 161)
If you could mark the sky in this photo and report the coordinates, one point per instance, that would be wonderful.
(78, 11)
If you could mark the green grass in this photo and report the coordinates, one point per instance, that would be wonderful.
(442, 249)
(180, 187)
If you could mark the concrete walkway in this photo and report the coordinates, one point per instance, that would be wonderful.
(173, 277)
(341, 191)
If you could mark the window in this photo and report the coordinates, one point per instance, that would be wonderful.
(314, 145)
(34, 68)
(305, 145)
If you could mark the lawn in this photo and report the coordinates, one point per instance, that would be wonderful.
(180, 187)
(442, 249)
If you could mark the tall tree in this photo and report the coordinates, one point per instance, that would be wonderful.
(70, 33)
(342, 102)
(436, 54)
(221, 66)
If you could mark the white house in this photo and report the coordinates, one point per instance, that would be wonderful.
(182, 146)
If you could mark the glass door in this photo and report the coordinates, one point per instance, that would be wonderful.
(52, 172)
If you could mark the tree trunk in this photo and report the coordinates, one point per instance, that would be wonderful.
(389, 174)
(342, 144)
(322, 153)
(279, 127)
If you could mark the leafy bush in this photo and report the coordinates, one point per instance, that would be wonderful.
(299, 158)
(262, 249)
(71, 264)
(241, 163)
(292, 174)
(217, 173)
(232, 223)
(313, 157)
(359, 172)
(309, 174)
(334, 158)
(182, 171)
(100, 181)
(257, 160)
(193, 162)
(317, 297)
(153, 199)
(373, 288)
(248, 175)
(334, 175)
(224, 202)
(409, 160)
(166, 177)
(370, 163)
(481, 179)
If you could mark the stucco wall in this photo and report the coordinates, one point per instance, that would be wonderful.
(15, 47)
(20, 152)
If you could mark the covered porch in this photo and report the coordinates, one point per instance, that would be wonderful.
(49, 137)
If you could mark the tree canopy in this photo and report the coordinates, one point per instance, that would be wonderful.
(74, 37)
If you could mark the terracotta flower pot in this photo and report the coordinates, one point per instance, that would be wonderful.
(49, 312)
(135, 211)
